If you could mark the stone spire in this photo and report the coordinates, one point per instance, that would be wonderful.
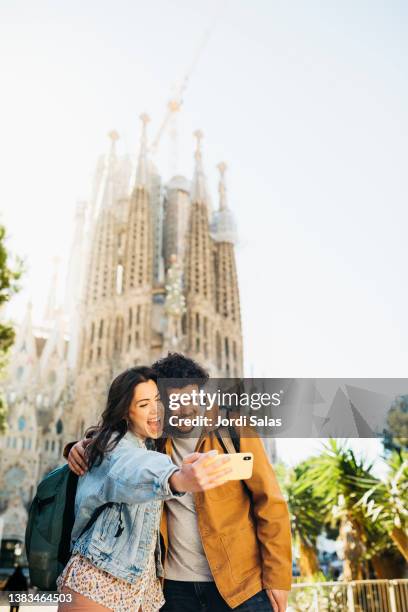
(223, 224)
(76, 259)
(23, 363)
(76, 278)
(142, 165)
(114, 137)
(199, 268)
(108, 196)
(199, 191)
(228, 332)
(51, 306)
(55, 343)
(97, 186)
(25, 337)
(222, 189)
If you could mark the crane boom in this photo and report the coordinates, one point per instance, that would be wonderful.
(176, 101)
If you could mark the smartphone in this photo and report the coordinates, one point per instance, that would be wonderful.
(241, 465)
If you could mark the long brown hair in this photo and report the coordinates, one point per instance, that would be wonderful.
(114, 419)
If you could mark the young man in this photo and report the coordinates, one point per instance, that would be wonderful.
(227, 548)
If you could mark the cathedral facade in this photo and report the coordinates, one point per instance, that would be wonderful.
(152, 270)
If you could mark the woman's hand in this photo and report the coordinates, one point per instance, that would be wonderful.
(77, 462)
(200, 472)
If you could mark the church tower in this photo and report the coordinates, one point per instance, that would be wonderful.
(99, 293)
(132, 338)
(228, 338)
(199, 270)
(117, 307)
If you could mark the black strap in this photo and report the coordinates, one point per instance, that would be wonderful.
(235, 439)
(68, 519)
(233, 433)
(96, 513)
(221, 441)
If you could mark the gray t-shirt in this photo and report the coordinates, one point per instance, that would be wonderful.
(186, 559)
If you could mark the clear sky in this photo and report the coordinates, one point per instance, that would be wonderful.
(306, 102)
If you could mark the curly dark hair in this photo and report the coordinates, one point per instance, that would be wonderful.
(178, 366)
(177, 371)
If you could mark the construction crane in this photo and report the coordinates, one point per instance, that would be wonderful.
(176, 101)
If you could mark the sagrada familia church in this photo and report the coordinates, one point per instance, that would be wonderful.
(152, 270)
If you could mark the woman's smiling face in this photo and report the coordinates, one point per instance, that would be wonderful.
(146, 411)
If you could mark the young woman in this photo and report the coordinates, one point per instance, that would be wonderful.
(115, 561)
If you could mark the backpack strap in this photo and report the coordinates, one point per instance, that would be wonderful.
(68, 519)
(230, 441)
(96, 513)
(228, 437)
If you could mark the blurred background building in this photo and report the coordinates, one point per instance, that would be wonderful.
(152, 269)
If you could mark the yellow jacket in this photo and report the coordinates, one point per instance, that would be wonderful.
(244, 527)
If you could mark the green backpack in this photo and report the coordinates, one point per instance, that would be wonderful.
(50, 521)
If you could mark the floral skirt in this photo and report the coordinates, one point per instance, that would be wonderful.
(81, 576)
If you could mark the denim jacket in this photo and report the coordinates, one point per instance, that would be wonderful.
(136, 480)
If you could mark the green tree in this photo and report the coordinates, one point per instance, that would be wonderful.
(10, 273)
(386, 502)
(338, 480)
(307, 516)
(396, 434)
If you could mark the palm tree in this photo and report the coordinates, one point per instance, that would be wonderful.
(307, 516)
(386, 502)
(339, 481)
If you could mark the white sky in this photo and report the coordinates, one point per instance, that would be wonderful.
(306, 101)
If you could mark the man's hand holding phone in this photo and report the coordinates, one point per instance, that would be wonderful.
(200, 472)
